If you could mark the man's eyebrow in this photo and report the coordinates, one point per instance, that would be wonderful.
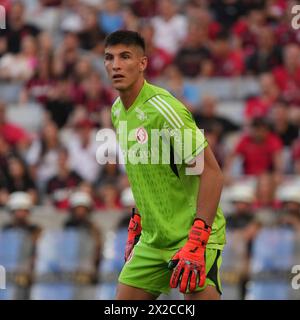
(126, 52)
(122, 52)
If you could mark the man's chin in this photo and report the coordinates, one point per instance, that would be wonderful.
(120, 86)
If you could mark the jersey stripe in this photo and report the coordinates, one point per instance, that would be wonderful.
(166, 111)
(171, 109)
(162, 112)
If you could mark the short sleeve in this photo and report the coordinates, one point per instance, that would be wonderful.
(187, 139)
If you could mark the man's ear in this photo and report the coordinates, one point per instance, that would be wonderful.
(143, 63)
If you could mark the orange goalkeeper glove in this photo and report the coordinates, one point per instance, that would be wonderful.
(134, 232)
(189, 261)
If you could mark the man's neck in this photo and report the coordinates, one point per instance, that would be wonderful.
(128, 96)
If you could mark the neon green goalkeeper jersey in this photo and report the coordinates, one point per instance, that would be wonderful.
(158, 137)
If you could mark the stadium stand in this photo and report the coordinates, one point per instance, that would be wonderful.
(54, 95)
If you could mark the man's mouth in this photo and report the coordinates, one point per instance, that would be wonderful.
(118, 76)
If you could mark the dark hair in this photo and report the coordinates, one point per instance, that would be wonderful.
(281, 102)
(125, 37)
(259, 122)
(223, 35)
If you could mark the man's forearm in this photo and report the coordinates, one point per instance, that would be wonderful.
(209, 191)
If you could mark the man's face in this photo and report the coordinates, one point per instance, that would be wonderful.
(81, 212)
(124, 65)
(259, 133)
(21, 215)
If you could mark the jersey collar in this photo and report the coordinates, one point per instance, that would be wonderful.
(142, 97)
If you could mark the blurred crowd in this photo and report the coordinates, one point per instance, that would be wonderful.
(51, 55)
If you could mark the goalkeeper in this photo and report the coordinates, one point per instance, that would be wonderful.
(176, 235)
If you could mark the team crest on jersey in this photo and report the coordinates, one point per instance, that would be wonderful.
(141, 135)
(141, 115)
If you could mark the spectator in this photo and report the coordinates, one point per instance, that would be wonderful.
(144, 8)
(110, 18)
(38, 86)
(170, 28)
(18, 179)
(66, 56)
(247, 28)
(20, 205)
(197, 13)
(266, 56)
(109, 174)
(96, 96)
(105, 118)
(80, 218)
(158, 58)
(259, 149)
(260, 106)
(13, 134)
(45, 44)
(287, 76)
(60, 186)
(131, 21)
(107, 197)
(43, 154)
(242, 197)
(289, 195)
(81, 206)
(242, 220)
(227, 12)
(82, 70)
(20, 66)
(226, 61)
(193, 51)
(71, 19)
(92, 34)
(82, 148)
(281, 124)
(17, 28)
(208, 119)
(182, 90)
(60, 101)
(266, 186)
(212, 135)
(283, 29)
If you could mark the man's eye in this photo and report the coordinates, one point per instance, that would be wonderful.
(107, 58)
(126, 57)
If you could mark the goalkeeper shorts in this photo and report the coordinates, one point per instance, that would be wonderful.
(147, 269)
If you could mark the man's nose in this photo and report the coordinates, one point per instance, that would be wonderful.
(116, 64)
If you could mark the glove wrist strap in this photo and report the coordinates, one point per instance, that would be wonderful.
(200, 232)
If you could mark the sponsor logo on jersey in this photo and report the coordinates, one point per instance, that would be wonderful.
(141, 115)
